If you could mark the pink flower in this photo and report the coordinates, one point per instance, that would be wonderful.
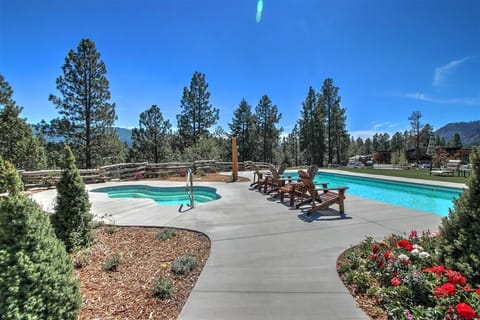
(413, 234)
(396, 281)
(465, 311)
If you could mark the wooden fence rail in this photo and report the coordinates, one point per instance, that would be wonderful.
(131, 171)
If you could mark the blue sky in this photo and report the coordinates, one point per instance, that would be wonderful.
(389, 57)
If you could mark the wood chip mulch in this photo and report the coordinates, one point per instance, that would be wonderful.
(126, 293)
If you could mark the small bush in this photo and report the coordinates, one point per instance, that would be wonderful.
(165, 234)
(81, 258)
(183, 265)
(112, 263)
(163, 288)
(111, 229)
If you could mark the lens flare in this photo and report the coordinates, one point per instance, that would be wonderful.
(259, 10)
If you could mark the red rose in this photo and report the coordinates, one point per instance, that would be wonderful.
(405, 244)
(465, 311)
(478, 291)
(375, 248)
(438, 270)
(455, 277)
(386, 254)
(396, 281)
(446, 289)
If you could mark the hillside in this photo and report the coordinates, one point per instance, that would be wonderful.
(125, 135)
(469, 132)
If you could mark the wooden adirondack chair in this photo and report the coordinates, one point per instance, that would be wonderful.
(276, 180)
(325, 198)
(296, 189)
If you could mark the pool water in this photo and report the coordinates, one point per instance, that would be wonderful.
(432, 199)
(162, 195)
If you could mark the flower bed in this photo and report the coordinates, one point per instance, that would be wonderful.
(399, 279)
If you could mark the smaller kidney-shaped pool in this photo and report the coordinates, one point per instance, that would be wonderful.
(162, 195)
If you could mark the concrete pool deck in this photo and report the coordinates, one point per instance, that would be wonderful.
(267, 261)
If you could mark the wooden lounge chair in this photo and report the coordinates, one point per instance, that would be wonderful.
(296, 189)
(258, 176)
(275, 180)
(451, 167)
(325, 198)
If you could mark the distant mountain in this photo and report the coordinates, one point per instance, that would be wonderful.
(469, 132)
(125, 135)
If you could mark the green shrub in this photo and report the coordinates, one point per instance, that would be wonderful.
(183, 265)
(111, 229)
(459, 240)
(36, 273)
(81, 258)
(72, 218)
(163, 288)
(112, 263)
(10, 181)
(167, 233)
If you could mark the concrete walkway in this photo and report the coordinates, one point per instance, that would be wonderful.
(267, 261)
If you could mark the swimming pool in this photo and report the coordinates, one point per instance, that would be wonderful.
(161, 195)
(432, 199)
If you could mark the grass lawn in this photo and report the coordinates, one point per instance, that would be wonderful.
(413, 174)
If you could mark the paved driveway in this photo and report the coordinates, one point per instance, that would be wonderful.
(267, 261)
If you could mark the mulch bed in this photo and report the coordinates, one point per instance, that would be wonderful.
(126, 293)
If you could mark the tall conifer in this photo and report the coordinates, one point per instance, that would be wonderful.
(72, 218)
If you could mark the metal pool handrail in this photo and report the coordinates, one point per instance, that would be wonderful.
(189, 187)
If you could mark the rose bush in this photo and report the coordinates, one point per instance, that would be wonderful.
(400, 273)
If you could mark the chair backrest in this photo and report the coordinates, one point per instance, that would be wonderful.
(255, 168)
(307, 182)
(312, 171)
(282, 168)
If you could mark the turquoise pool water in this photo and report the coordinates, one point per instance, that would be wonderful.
(162, 195)
(436, 200)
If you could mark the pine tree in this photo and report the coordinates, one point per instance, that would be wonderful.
(17, 142)
(268, 135)
(72, 218)
(337, 136)
(459, 243)
(242, 128)
(415, 131)
(36, 273)
(87, 115)
(312, 129)
(3, 182)
(150, 139)
(197, 114)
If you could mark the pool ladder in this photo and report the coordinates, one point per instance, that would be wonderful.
(189, 187)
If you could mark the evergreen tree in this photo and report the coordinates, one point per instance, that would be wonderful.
(36, 273)
(150, 139)
(72, 218)
(312, 129)
(197, 114)
(459, 242)
(242, 128)
(87, 115)
(3, 181)
(456, 141)
(415, 131)
(17, 142)
(337, 135)
(267, 134)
